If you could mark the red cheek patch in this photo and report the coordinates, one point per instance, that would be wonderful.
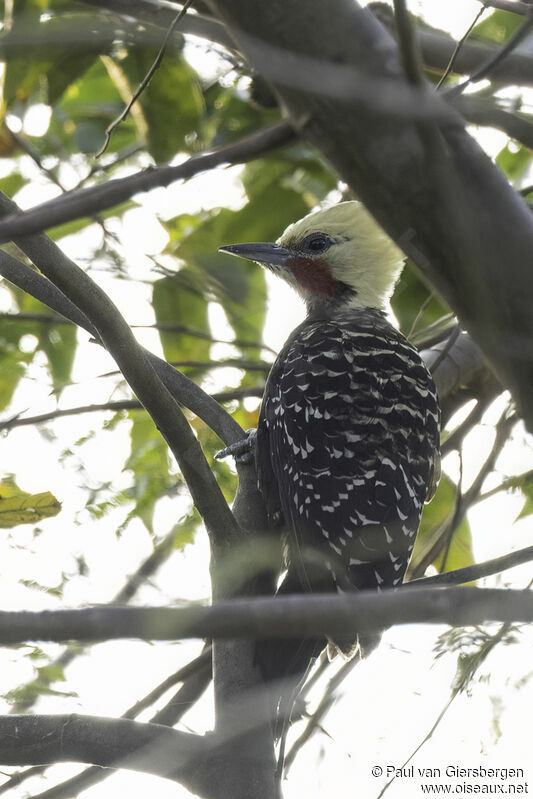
(314, 275)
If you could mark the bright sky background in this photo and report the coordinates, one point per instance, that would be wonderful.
(389, 702)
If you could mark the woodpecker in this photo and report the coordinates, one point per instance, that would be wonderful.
(347, 445)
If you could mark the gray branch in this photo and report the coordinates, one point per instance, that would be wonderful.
(302, 615)
(106, 742)
(161, 15)
(436, 46)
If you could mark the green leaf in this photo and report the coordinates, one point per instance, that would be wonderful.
(184, 531)
(11, 184)
(238, 284)
(441, 507)
(12, 368)
(19, 507)
(499, 27)
(514, 160)
(94, 98)
(526, 484)
(230, 116)
(149, 462)
(47, 68)
(172, 102)
(58, 342)
(179, 300)
(413, 304)
(293, 168)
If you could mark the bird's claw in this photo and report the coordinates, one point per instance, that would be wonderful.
(241, 450)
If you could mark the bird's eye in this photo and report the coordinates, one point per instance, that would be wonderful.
(317, 242)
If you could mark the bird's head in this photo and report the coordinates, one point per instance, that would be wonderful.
(335, 258)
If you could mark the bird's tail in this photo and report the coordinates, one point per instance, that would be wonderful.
(284, 663)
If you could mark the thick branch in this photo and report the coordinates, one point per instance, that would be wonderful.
(436, 46)
(304, 615)
(489, 113)
(162, 15)
(195, 677)
(153, 748)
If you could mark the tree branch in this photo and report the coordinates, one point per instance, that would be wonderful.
(184, 390)
(147, 78)
(195, 677)
(125, 405)
(487, 69)
(464, 366)
(85, 202)
(438, 48)
(161, 16)
(488, 112)
(477, 570)
(123, 743)
(304, 615)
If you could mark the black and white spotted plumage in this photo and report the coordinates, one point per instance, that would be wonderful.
(346, 447)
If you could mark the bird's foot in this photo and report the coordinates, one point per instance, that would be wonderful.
(243, 450)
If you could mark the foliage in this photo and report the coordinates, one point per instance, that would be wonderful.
(19, 507)
(58, 98)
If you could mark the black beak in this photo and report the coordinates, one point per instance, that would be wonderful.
(264, 253)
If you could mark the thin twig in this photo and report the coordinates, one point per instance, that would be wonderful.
(460, 44)
(419, 315)
(99, 168)
(494, 60)
(21, 776)
(170, 327)
(118, 405)
(477, 571)
(314, 721)
(507, 485)
(456, 690)
(35, 157)
(442, 535)
(147, 78)
(456, 438)
(452, 338)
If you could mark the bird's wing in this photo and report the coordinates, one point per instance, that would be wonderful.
(348, 435)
